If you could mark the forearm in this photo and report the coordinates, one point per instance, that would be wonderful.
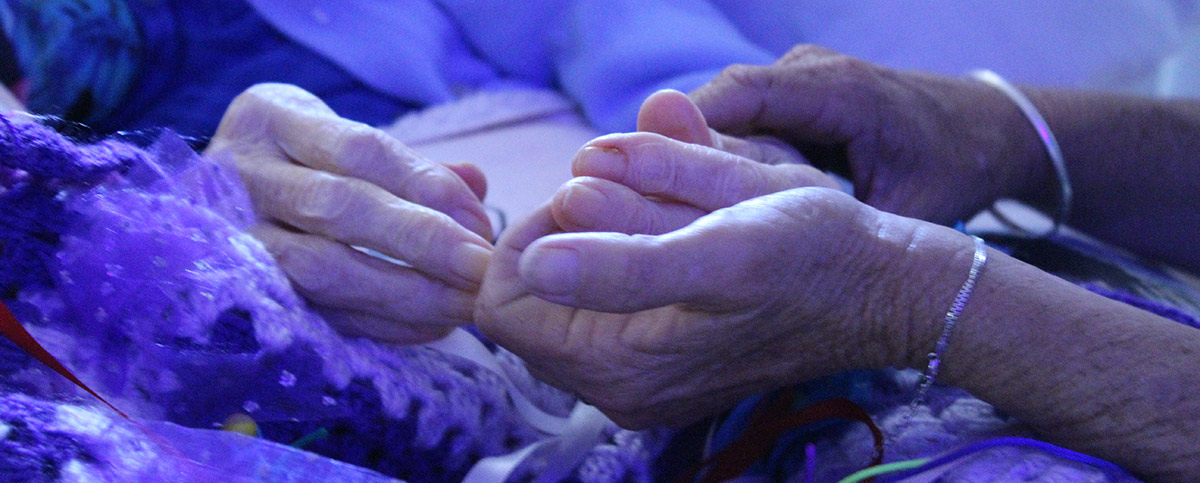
(1088, 373)
(1134, 164)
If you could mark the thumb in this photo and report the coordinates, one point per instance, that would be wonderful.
(672, 114)
(613, 272)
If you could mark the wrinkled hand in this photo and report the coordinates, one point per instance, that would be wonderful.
(673, 172)
(705, 287)
(321, 184)
(668, 329)
(923, 146)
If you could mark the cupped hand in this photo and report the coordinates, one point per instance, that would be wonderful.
(674, 171)
(322, 185)
(666, 329)
(682, 278)
(923, 146)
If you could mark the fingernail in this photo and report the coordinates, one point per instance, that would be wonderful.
(551, 271)
(580, 202)
(470, 261)
(607, 163)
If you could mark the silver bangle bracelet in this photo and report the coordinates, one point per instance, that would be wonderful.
(1048, 140)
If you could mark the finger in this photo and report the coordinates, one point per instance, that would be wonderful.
(356, 324)
(812, 94)
(723, 262)
(502, 293)
(671, 114)
(613, 272)
(762, 149)
(333, 275)
(704, 177)
(358, 213)
(310, 133)
(473, 176)
(737, 100)
(594, 204)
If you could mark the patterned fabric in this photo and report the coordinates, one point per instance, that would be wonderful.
(952, 417)
(133, 268)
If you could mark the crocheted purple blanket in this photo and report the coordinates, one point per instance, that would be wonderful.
(132, 266)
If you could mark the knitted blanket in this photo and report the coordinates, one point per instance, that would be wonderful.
(132, 266)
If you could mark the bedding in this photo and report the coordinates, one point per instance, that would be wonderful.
(133, 269)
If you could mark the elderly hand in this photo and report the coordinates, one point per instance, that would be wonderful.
(673, 172)
(706, 287)
(321, 185)
(667, 329)
(923, 146)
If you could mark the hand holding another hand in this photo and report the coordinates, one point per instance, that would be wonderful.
(683, 278)
(321, 185)
(918, 145)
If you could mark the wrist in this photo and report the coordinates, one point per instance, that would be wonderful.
(914, 270)
(1025, 152)
(928, 273)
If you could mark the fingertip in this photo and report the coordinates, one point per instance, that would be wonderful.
(576, 206)
(473, 176)
(672, 114)
(600, 161)
(441, 188)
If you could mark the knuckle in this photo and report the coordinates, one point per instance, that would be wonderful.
(820, 207)
(429, 185)
(359, 147)
(653, 219)
(654, 164)
(805, 53)
(266, 96)
(635, 217)
(744, 75)
(419, 234)
(256, 97)
(835, 67)
(742, 180)
(324, 198)
(859, 74)
(287, 97)
(658, 174)
(248, 115)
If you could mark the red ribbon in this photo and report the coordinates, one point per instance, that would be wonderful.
(768, 424)
(14, 331)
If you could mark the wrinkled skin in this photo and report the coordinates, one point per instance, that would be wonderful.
(705, 272)
(922, 146)
(321, 185)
